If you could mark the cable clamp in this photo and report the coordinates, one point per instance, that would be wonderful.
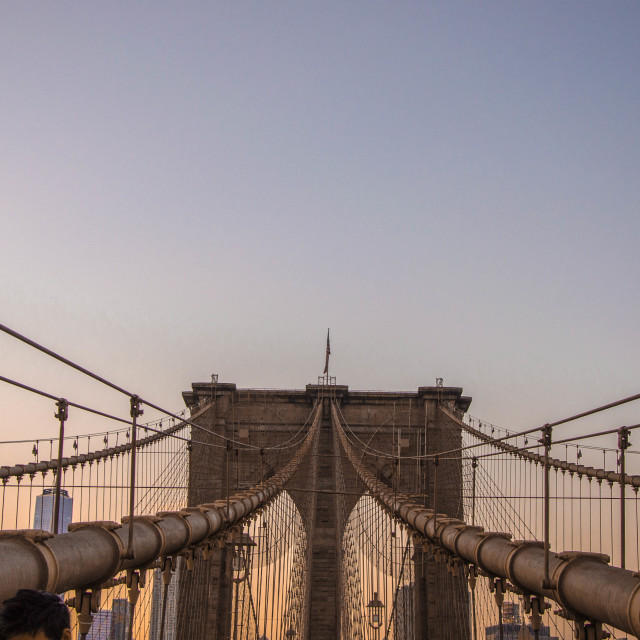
(472, 576)
(86, 603)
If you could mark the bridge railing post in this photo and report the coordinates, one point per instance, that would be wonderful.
(136, 411)
(546, 441)
(474, 466)
(435, 495)
(62, 414)
(623, 445)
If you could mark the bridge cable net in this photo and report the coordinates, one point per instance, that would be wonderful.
(385, 562)
(496, 540)
(266, 557)
(103, 571)
(592, 510)
(94, 487)
(135, 399)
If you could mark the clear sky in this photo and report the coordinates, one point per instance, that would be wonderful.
(452, 187)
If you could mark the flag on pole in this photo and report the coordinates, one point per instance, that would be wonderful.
(326, 362)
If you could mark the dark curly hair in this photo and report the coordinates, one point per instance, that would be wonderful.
(32, 611)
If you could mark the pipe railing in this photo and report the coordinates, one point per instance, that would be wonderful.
(583, 584)
(93, 552)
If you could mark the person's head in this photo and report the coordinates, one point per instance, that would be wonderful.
(34, 615)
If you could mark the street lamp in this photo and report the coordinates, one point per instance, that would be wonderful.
(240, 558)
(239, 566)
(375, 611)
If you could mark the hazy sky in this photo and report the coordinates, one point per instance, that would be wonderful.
(453, 188)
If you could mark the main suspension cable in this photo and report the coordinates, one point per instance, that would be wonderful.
(114, 386)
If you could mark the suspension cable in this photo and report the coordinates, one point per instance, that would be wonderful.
(112, 385)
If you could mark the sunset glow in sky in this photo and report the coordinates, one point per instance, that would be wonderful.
(198, 188)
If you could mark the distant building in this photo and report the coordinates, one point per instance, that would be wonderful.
(513, 626)
(517, 632)
(510, 612)
(403, 614)
(43, 513)
(119, 619)
(111, 624)
(101, 625)
(170, 616)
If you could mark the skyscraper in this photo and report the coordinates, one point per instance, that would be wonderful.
(119, 619)
(170, 616)
(403, 614)
(43, 513)
(101, 625)
(514, 626)
(111, 624)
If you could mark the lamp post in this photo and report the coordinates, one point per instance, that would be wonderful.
(239, 565)
(375, 607)
(240, 558)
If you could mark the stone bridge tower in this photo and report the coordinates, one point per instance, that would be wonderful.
(408, 423)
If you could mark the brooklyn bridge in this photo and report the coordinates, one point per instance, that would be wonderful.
(324, 513)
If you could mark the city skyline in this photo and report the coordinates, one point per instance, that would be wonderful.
(157, 597)
(110, 624)
(44, 508)
(515, 627)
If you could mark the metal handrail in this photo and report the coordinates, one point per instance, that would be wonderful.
(582, 583)
(93, 552)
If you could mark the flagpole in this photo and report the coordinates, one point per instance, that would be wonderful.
(326, 362)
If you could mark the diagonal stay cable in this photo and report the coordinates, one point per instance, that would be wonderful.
(106, 382)
(71, 404)
(64, 360)
(146, 427)
(167, 432)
